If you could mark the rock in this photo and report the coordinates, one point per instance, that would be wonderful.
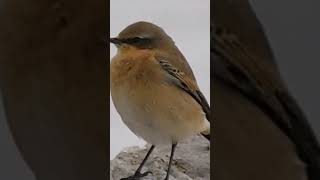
(191, 161)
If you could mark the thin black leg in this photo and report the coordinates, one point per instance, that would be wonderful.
(137, 175)
(173, 148)
(144, 160)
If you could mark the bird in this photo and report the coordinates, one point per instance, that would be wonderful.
(155, 91)
(260, 130)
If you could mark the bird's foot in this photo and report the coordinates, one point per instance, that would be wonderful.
(137, 176)
(167, 178)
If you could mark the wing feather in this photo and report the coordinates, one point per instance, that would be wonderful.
(186, 84)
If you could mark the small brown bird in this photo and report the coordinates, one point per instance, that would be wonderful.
(154, 90)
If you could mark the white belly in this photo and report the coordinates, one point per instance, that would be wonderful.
(159, 117)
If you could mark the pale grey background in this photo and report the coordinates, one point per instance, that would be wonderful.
(292, 27)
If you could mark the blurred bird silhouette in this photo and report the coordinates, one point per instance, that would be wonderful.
(260, 131)
(53, 80)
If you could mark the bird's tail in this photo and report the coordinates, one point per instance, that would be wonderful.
(206, 133)
(207, 136)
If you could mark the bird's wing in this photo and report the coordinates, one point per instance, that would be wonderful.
(186, 84)
(259, 81)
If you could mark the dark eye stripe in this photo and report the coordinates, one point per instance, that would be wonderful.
(136, 40)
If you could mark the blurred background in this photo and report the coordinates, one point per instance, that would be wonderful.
(293, 28)
(291, 25)
(187, 22)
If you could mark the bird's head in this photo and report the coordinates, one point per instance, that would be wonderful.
(142, 35)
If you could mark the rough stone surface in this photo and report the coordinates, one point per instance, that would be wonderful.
(191, 161)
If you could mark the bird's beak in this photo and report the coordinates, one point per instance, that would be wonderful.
(115, 41)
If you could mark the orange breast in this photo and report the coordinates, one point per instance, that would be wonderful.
(132, 67)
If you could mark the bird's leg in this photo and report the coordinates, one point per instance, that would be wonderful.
(137, 175)
(171, 157)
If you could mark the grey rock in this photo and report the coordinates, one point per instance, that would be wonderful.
(191, 161)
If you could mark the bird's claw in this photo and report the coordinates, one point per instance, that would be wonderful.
(137, 176)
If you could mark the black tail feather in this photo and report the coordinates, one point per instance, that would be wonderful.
(207, 136)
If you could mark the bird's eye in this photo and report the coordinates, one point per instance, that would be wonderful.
(136, 39)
